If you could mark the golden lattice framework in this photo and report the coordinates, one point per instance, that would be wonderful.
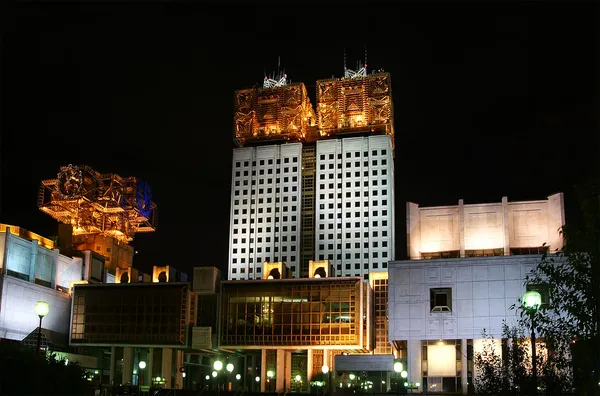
(344, 105)
(278, 113)
(98, 203)
(355, 104)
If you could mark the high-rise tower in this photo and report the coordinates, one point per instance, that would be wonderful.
(309, 186)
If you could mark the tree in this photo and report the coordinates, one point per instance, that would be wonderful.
(509, 372)
(569, 322)
(25, 372)
(502, 372)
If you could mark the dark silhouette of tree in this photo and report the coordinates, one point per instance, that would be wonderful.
(25, 372)
(569, 322)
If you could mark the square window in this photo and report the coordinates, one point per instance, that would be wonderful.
(440, 299)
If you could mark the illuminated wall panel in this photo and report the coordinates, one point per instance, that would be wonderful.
(489, 229)
(441, 360)
(131, 314)
(354, 204)
(265, 217)
(297, 313)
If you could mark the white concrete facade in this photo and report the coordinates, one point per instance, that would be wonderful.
(354, 204)
(467, 229)
(265, 209)
(30, 272)
(481, 291)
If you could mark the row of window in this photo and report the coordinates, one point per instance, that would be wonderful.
(286, 160)
(259, 259)
(268, 180)
(374, 162)
(237, 191)
(374, 244)
(322, 157)
(374, 172)
(261, 201)
(284, 238)
(266, 219)
(356, 184)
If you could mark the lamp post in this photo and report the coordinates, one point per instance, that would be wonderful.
(531, 301)
(218, 366)
(270, 375)
(325, 371)
(142, 366)
(398, 368)
(41, 309)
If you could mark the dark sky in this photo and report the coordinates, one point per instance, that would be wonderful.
(491, 100)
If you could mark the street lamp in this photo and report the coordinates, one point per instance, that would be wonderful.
(398, 368)
(325, 371)
(270, 375)
(238, 376)
(229, 367)
(218, 365)
(532, 301)
(141, 365)
(41, 309)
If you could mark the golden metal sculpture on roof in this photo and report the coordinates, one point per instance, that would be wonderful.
(279, 112)
(358, 103)
(96, 203)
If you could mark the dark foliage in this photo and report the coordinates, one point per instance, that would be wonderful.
(25, 372)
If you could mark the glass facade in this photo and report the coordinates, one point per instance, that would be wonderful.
(131, 314)
(298, 312)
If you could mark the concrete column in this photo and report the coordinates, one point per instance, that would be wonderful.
(461, 229)
(280, 371)
(178, 364)
(506, 228)
(166, 370)
(54, 267)
(127, 365)
(113, 365)
(263, 370)
(149, 367)
(4, 262)
(465, 369)
(32, 261)
(309, 366)
(414, 361)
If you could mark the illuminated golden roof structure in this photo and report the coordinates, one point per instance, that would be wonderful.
(359, 102)
(96, 203)
(278, 111)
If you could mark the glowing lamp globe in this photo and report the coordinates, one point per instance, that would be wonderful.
(214, 373)
(398, 367)
(142, 365)
(207, 377)
(218, 365)
(270, 374)
(298, 378)
(229, 367)
(325, 369)
(42, 308)
(404, 374)
(238, 376)
(532, 299)
(257, 379)
(352, 376)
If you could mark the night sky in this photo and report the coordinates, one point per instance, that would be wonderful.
(491, 100)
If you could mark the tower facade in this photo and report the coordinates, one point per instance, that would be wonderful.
(312, 185)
